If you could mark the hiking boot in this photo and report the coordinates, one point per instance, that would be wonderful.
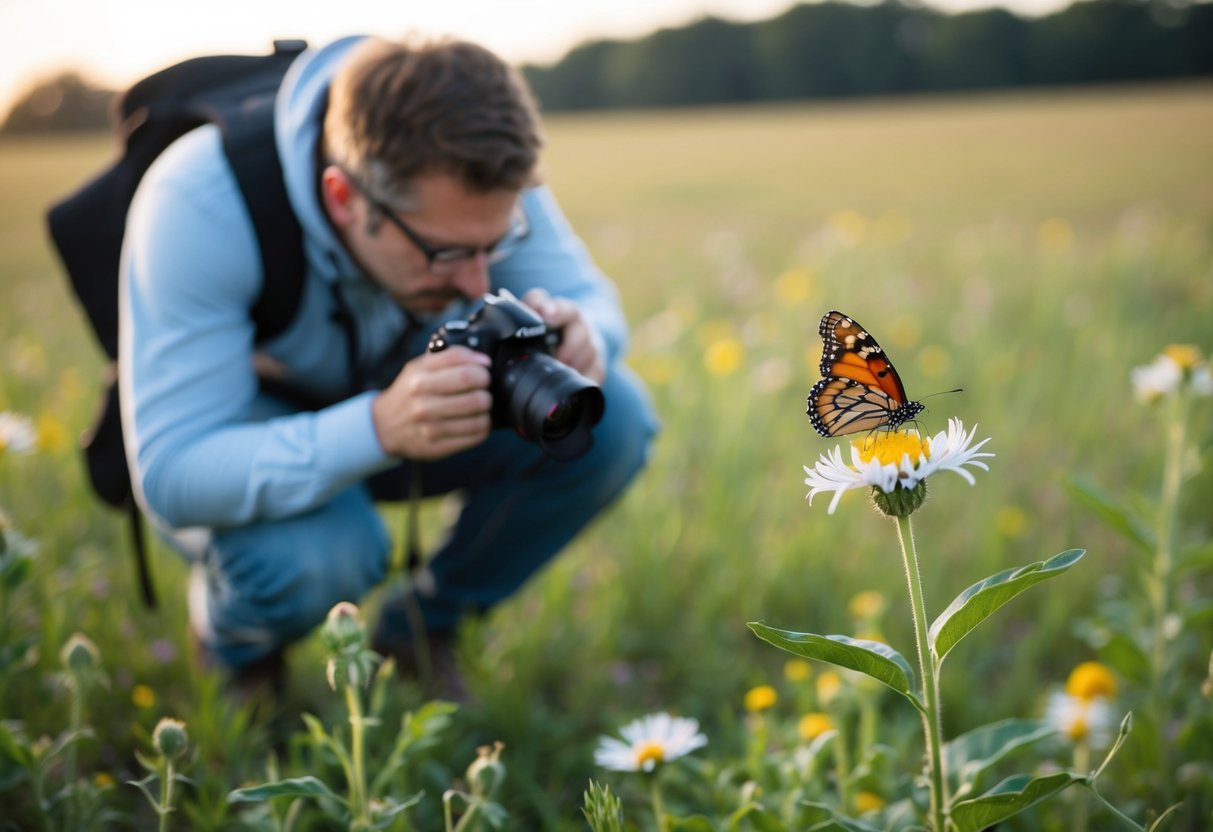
(431, 662)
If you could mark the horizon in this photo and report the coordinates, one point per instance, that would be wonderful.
(116, 43)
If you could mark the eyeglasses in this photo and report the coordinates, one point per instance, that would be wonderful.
(445, 260)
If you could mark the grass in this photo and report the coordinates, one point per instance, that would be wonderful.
(1030, 248)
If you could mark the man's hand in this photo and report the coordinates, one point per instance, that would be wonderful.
(437, 406)
(580, 346)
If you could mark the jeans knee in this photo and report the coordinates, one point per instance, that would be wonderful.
(284, 577)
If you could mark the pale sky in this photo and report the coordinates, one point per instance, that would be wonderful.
(118, 41)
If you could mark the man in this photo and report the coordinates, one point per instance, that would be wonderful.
(412, 172)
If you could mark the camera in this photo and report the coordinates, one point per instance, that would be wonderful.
(544, 400)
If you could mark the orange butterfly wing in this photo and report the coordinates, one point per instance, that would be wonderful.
(860, 389)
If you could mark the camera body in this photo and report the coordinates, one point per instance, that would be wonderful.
(544, 400)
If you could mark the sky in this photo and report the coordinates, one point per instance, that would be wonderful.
(115, 42)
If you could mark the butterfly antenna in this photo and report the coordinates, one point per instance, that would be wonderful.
(942, 393)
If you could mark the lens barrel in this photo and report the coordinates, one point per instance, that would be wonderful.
(549, 403)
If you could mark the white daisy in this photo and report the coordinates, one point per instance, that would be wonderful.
(1178, 366)
(1090, 721)
(650, 740)
(17, 434)
(896, 459)
(1157, 379)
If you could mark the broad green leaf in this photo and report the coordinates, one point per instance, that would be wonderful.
(1008, 798)
(1112, 511)
(976, 603)
(693, 823)
(823, 818)
(880, 661)
(968, 755)
(295, 787)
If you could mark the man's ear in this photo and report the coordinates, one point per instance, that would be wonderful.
(338, 193)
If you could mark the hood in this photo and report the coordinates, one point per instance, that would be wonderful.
(298, 119)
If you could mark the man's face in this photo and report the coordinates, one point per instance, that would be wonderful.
(444, 215)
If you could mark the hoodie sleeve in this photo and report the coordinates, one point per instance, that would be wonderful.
(552, 257)
(200, 451)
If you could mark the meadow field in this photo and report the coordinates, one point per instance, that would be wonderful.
(1031, 248)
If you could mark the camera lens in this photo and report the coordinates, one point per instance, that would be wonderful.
(562, 418)
(549, 403)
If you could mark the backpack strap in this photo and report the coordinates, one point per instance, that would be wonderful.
(258, 170)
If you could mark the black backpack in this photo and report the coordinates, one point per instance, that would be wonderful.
(236, 93)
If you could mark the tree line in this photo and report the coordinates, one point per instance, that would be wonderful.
(821, 50)
(834, 49)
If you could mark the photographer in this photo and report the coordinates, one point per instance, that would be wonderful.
(412, 171)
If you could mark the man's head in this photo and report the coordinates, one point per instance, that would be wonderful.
(438, 139)
(399, 111)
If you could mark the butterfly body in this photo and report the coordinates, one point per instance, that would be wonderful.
(860, 389)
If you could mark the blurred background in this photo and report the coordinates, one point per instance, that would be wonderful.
(1015, 200)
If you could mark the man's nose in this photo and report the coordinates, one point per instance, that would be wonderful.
(472, 278)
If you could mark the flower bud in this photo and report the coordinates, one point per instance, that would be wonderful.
(79, 655)
(900, 502)
(343, 630)
(170, 738)
(487, 772)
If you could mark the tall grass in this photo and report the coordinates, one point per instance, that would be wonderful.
(1028, 248)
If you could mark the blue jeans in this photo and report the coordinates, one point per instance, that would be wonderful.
(263, 586)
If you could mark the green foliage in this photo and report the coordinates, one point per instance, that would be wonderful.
(834, 49)
(977, 602)
(881, 662)
(1029, 248)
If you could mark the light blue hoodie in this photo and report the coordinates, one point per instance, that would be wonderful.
(204, 447)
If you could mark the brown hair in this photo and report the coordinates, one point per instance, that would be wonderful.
(397, 111)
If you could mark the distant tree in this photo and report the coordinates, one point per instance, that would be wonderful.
(986, 48)
(65, 102)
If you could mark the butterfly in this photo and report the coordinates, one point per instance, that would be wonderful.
(860, 389)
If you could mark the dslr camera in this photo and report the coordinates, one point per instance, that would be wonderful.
(545, 401)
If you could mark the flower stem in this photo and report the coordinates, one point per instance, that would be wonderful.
(1164, 555)
(663, 821)
(358, 801)
(931, 719)
(1082, 765)
(166, 794)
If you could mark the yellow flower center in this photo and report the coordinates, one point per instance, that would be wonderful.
(1187, 356)
(649, 752)
(1077, 730)
(1091, 680)
(760, 698)
(813, 725)
(868, 802)
(797, 670)
(889, 447)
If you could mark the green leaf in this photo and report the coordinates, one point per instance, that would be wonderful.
(823, 818)
(385, 818)
(970, 754)
(759, 819)
(295, 787)
(976, 603)
(694, 823)
(1112, 511)
(880, 661)
(1008, 798)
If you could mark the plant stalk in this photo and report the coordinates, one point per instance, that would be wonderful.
(931, 719)
(166, 794)
(663, 820)
(358, 798)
